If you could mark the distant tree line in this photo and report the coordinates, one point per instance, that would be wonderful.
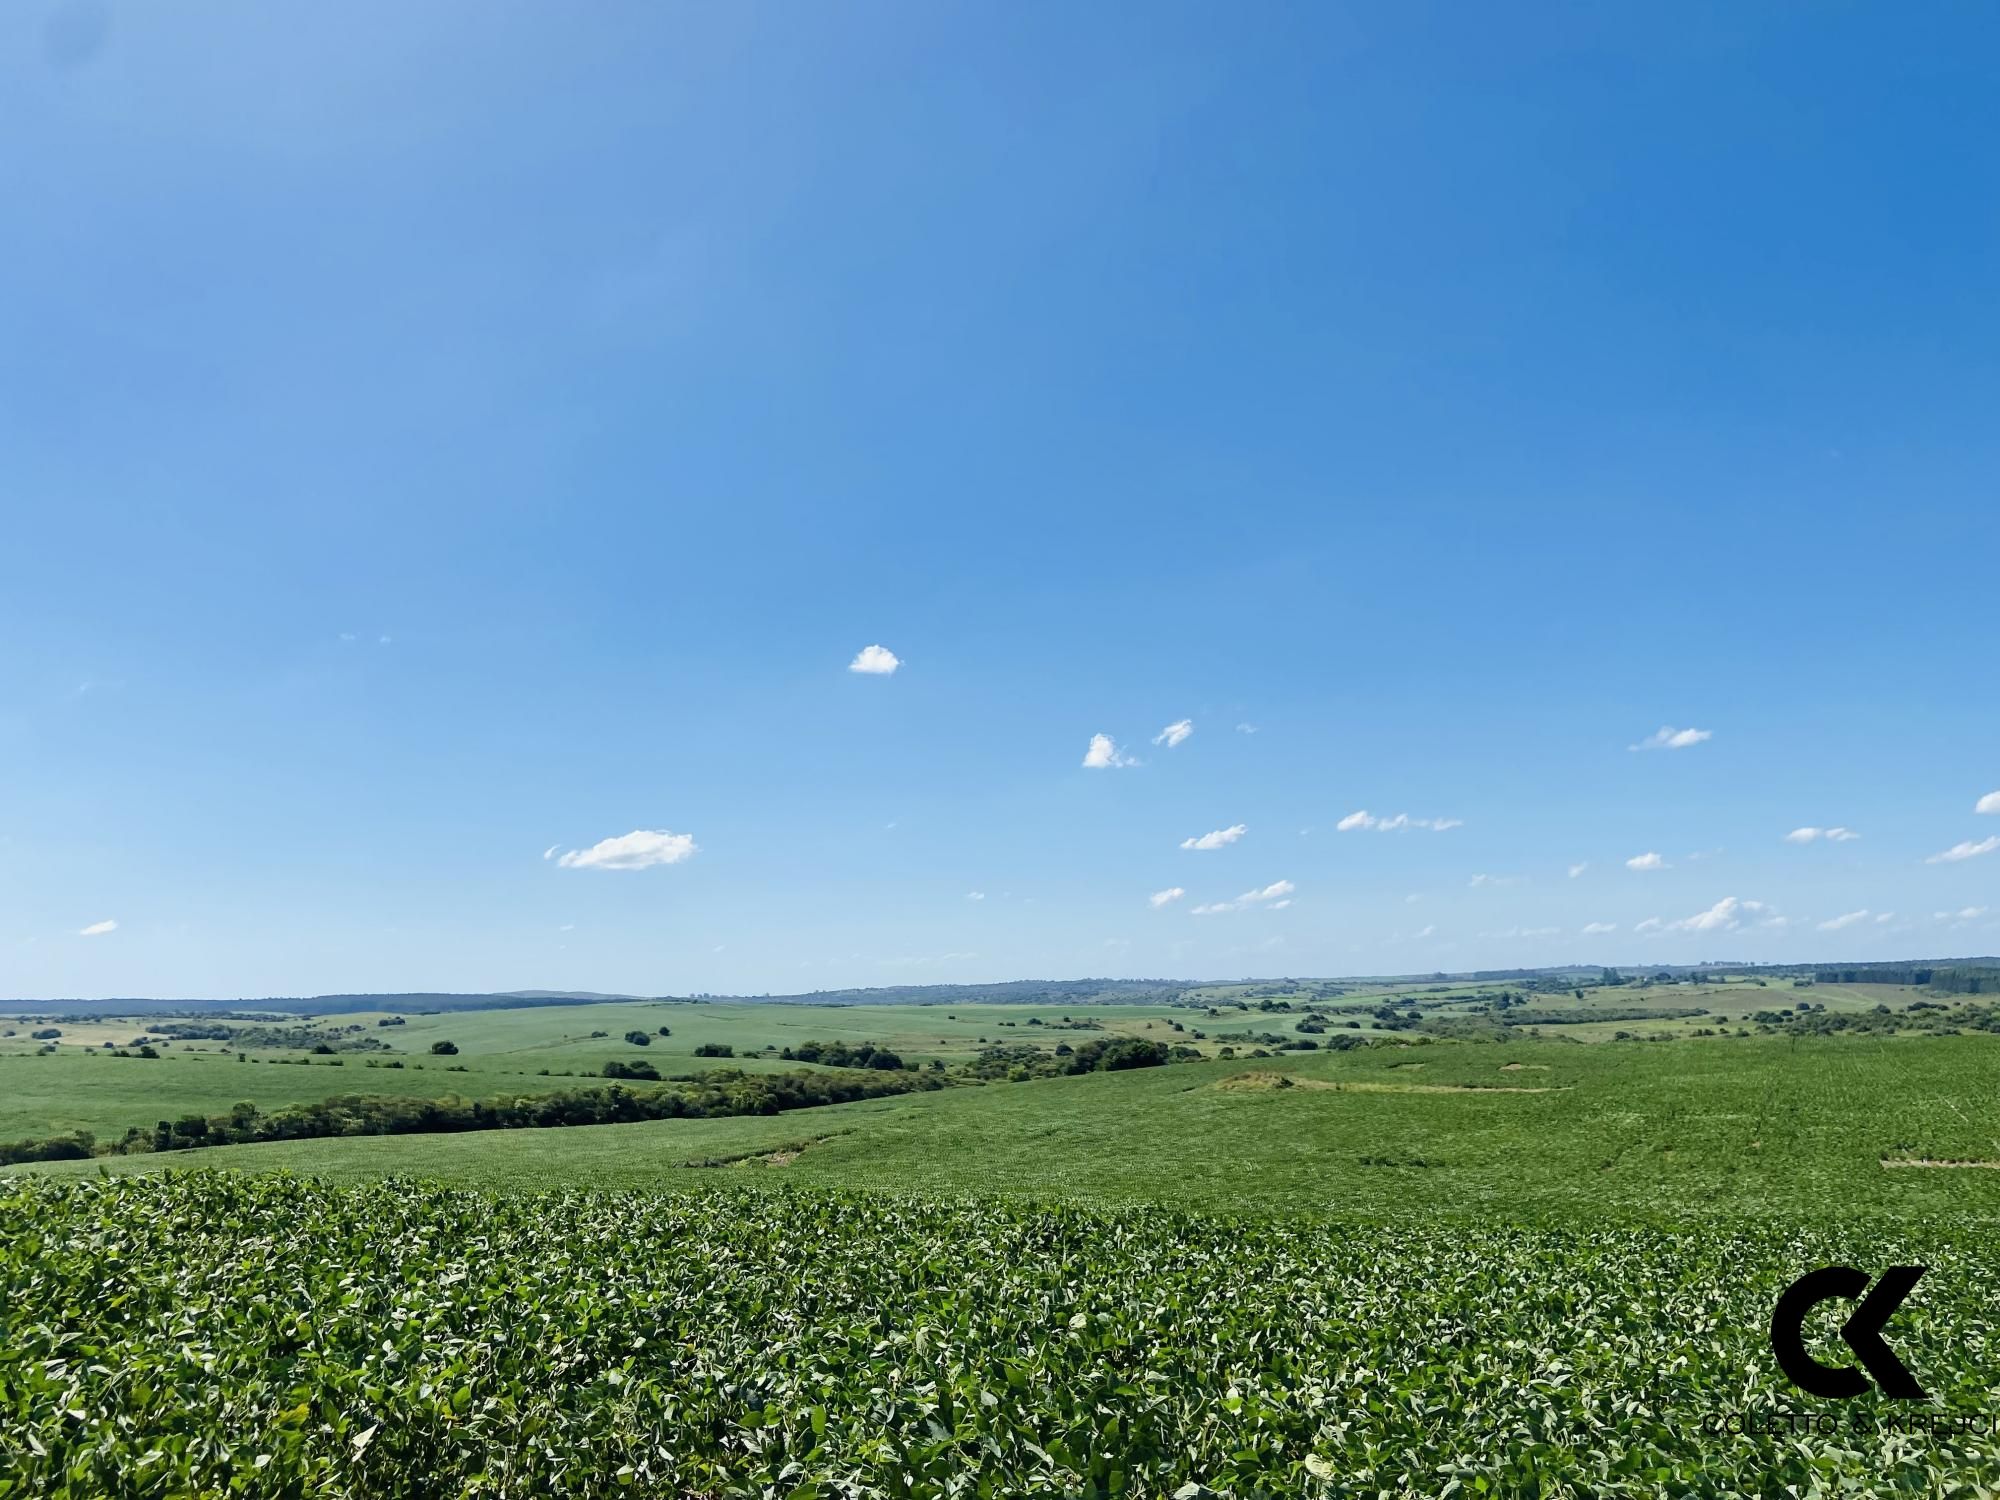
(709, 1096)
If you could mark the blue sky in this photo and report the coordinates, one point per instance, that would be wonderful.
(435, 435)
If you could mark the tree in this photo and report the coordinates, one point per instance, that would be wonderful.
(444, 1049)
(639, 1038)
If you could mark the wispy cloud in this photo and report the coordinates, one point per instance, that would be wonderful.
(1990, 803)
(1598, 929)
(1277, 895)
(1666, 737)
(1578, 868)
(1167, 897)
(1522, 932)
(1252, 729)
(875, 661)
(1429, 929)
(1809, 834)
(1479, 880)
(1366, 819)
(1965, 849)
(98, 929)
(1651, 924)
(1217, 839)
(550, 852)
(1650, 860)
(1840, 923)
(975, 895)
(1174, 733)
(640, 849)
(1104, 755)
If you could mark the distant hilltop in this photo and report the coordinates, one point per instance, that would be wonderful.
(1953, 975)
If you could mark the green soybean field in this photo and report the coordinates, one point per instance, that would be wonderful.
(210, 1333)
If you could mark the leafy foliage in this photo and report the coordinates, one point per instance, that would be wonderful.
(209, 1334)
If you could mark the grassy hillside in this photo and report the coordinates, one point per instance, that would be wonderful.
(1738, 1126)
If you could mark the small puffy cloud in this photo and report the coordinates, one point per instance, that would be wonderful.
(1217, 839)
(1252, 729)
(1174, 733)
(1275, 894)
(975, 895)
(1647, 861)
(1990, 803)
(1666, 737)
(1965, 849)
(874, 661)
(1832, 835)
(1167, 897)
(98, 929)
(1725, 916)
(1578, 868)
(1366, 819)
(640, 849)
(1104, 755)
(1840, 923)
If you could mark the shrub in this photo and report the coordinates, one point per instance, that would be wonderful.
(444, 1049)
(715, 1049)
(639, 1038)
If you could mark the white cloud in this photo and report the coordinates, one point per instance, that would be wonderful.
(98, 929)
(1990, 803)
(875, 661)
(1882, 917)
(1963, 914)
(640, 849)
(1163, 898)
(1725, 916)
(975, 895)
(550, 852)
(1427, 929)
(1647, 861)
(1104, 754)
(1666, 737)
(1366, 819)
(1276, 892)
(1836, 924)
(1832, 835)
(1578, 868)
(1479, 880)
(1965, 849)
(1598, 929)
(567, 927)
(1252, 729)
(384, 640)
(1651, 924)
(1174, 733)
(1218, 838)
